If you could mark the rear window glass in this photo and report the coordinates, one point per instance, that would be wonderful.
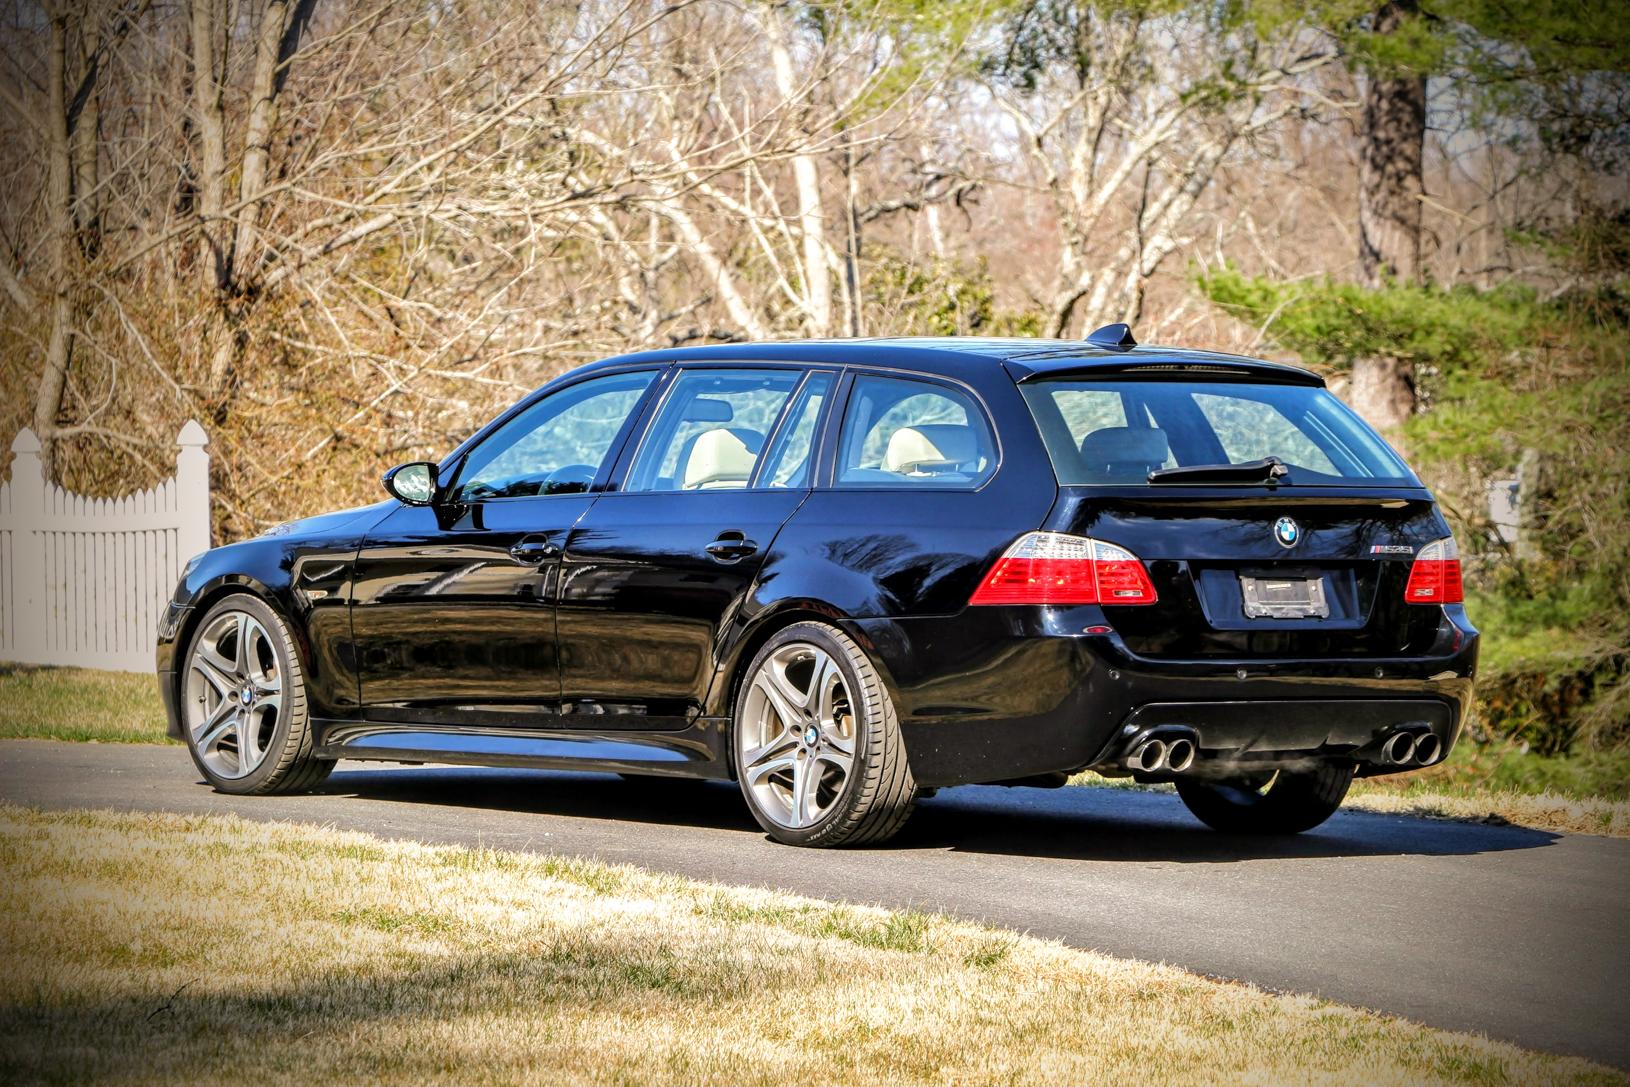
(1116, 432)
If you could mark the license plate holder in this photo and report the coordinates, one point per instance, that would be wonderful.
(1284, 597)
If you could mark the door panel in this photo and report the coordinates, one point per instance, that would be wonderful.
(453, 610)
(653, 573)
(453, 614)
(643, 601)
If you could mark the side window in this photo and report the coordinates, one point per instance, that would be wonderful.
(788, 462)
(899, 432)
(711, 430)
(1250, 429)
(556, 446)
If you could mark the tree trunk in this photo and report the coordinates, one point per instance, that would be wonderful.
(60, 216)
(85, 134)
(854, 321)
(1390, 187)
(276, 43)
(817, 272)
(209, 119)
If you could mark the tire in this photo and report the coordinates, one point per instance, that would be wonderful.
(1286, 803)
(241, 681)
(851, 770)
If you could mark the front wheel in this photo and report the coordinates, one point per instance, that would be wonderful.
(243, 702)
(817, 745)
(1282, 802)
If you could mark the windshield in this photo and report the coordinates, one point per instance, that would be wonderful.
(1115, 433)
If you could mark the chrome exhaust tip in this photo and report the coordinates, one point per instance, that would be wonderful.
(1148, 756)
(1399, 748)
(1180, 754)
(1427, 749)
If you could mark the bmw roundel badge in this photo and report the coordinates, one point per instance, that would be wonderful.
(1287, 532)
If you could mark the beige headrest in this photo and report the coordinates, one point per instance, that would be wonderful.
(934, 445)
(719, 458)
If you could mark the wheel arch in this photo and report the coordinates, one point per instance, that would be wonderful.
(753, 637)
(207, 596)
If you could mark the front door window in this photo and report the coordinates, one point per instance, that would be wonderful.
(556, 446)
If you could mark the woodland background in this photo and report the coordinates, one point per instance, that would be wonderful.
(344, 233)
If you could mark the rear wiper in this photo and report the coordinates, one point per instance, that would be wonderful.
(1270, 470)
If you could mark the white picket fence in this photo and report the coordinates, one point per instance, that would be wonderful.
(83, 581)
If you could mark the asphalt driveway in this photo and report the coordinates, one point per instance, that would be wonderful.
(1520, 934)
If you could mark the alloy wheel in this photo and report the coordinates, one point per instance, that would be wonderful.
(797, 740)
(234, 694)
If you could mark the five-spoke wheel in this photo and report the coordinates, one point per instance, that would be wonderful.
(243, 702)
(234, 693)
(817, 746)
(798, 735)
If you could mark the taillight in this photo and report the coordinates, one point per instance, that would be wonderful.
(1435, 577)
(1052, 568)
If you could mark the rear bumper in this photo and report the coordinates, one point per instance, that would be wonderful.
(995, 694)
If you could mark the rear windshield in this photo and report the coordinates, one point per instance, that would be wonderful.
(1116, 432)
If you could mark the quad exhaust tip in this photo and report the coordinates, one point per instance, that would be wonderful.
(1399, 748)
(1148, 756)
(1168, 752)
(1427, 749)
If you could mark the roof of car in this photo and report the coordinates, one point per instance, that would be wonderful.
(1024, 359)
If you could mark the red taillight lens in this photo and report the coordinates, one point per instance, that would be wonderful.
(1435, 577)
(1052, 568)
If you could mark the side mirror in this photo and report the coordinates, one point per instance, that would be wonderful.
(412, 484)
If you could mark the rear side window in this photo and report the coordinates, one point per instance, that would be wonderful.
(789, 460)
(1116, 432)
(711, 430)
(903, 433)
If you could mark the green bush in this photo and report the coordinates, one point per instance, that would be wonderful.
(1504, 375)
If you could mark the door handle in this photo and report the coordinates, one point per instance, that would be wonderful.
(533, 550)
(731, 547)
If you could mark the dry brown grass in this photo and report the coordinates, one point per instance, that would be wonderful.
(1541, 811)
(176, 949)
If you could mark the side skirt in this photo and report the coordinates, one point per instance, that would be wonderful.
(697, 751)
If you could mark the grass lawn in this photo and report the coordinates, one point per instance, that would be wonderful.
(1588, 794)
(206, 949)
(80, 704)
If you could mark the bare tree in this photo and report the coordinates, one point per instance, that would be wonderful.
(1125, 119)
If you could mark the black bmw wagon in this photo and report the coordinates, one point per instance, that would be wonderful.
(844, 574)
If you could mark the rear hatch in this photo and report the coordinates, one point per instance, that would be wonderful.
(1273, 523)
(1227, 587)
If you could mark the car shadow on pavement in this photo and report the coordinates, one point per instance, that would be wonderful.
(1086, 823)
(1074, 822)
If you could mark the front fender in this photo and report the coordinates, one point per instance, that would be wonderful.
(306, 579)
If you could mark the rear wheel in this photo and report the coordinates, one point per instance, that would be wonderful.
(817, 744)
(1282, 802)
(243, 702)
